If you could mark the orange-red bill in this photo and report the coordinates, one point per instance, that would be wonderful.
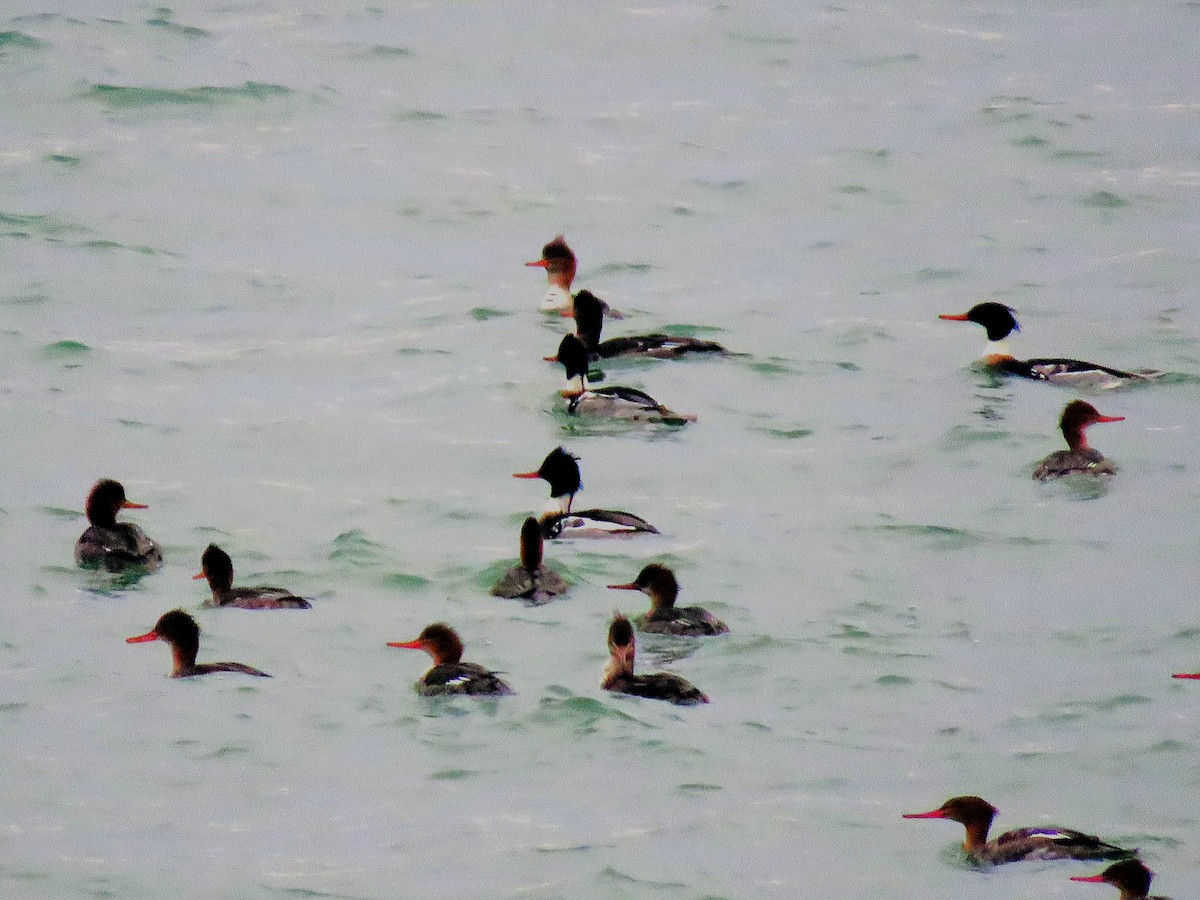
(407, 645)
(961, 317)
(550, 358)
(129, 504)
(537, 263)
(526, 475)
(1098, 879)
(142, 638)
(198, 576)
(932, 814)
(1195, 675)
(625, 587)
(1111, 419)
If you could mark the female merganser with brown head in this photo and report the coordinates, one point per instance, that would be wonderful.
(976, 816)
(617, 402)
(561, 470)
(449, 674)
(658, 582)
(1000, 322)
(1129, 876)
(589, 322)
(1077, 417)
(180, 630)
(217, 567)
(559, 262)
(531, 580)
(109, 543)
(619, 677)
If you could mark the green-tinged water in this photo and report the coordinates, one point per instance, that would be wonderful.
(263, 263)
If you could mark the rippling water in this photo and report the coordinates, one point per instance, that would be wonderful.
(262, 262)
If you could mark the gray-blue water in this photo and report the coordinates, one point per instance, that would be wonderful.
(263, 262)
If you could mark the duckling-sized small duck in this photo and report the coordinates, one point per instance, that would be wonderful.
(620, 678)
(530, 580)
(615, 401)
(1129, 876)
(589, 322)
(659, 584)
(109, 544)
(1081, 458)
(449, 674)
(217, 567)
(180, 630)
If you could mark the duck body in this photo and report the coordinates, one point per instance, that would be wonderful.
(1080, 458)
(659, 583)
(976, 814)
(180, 631)
(1000, 321)
(450, 675)
(109, 544)
(589, 323)
(217, 567)
(530, 580)
(1129, 876)
(614, 402)
(619, 676)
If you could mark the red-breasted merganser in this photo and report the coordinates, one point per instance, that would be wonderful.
(616, 401)
(111, 544)
(559, 262)
(1129, 876)
(217, 567)
(1000, 322)
(976, 816)
(589, 322)
(449, 674)
(659, 584)
(531, 580)
(619, 677)
(180, 630)
(561, 470)
(1082, 458)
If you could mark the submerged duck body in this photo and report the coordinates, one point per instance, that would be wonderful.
(659, 583)
(560, 264)
(561, 470)
(589, 323)
(619, 676)
(1000, 321)
(616, 402)
(531, 580)
(181, 632)
(217, 567)
(450, 675)
(109, 544)
(976, 814)
(1080, 458)
(1130, 877)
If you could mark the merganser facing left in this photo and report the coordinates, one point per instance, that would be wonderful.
(1000, 322)
(1129, 876)
(976, 816)
(109, 543)
(1077, 417)
(619, 676)
(589, 322)
(449, 674)
(530, 580)
(180, 630)
(614, 402)
(561, 470)
(658, 582)
(559, 262)
(217, 567)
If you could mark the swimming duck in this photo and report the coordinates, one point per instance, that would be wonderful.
(658, 582)
(111, 544)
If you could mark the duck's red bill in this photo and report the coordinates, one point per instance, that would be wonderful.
(537, 263)
(129, 504)
(550, 358)
(961, 317)
(142, 638)
(1195, 675)
(1111, 419)
(526, 475)
(1098, 879)
(625, 587)
(407, 645)
(198, 576)
(932, 814)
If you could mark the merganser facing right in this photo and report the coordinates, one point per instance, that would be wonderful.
(976, 816)
(619, 677)
(616, 401)
(180, 630)
(561, 470)
(217, 567)
(1000, 322)
(589, 323)
(1077, 417)
(449, 674)
(658, 582)
(109, 543)
(559, 262)
(530, 580)
(1129, 876)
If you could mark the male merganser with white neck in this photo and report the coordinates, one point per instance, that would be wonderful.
(616, 401)
(620, 678)
(530, 580)
(1130, 877)
(217, 567)
(658, 582)
(1000, 322)
(976, 814)
(111, 544)
(450, 675)
(561, 470)
(589, 322)
(559, 262)
(1082, 458)
(180, 630)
